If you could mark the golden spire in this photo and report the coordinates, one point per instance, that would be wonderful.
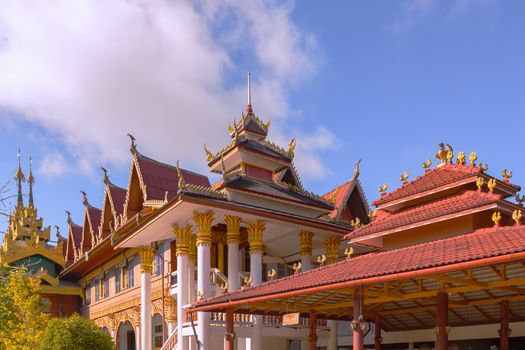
(249, 109)
(84, 198)
(19, 178)
(133, 147)
(106, 177)
(31, 181)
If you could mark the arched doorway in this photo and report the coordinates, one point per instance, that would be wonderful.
(156, 329)
(126, 337)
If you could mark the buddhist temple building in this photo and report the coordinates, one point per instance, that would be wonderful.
(445, 268)
(27, 243)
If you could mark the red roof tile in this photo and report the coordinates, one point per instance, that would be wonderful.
(431, 179)
(159, 178)
(118, 195)
(76, 232)
(338, 196)
(445, 206)
(480, 244)
(95, 215)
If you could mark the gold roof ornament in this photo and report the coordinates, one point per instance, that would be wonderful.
(291, 148)
(445, 153)
(516, 216)
(349, 251)
(209, 155)
(356, 169)
(483, 167)
(247, 280)
(133, 147)
(480, 182)
(271, 274)
(268, 123)
(200, 294)
(427, 164)
(297, 267)
(403, 177)
(382, 189)
(461, 158)
(106, 176)
(496, 218)
(321, 259)
(519, 199)
(506, 174)
(224, 286)
(491, 184)
(230, 129)
(372, 214)
(182, 182)
(356, 222)
(473, 157)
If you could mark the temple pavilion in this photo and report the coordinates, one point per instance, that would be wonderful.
(445, 268)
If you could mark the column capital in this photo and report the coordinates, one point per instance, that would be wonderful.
(193, 248)
(233, 229)
(204, 221)
(183, 236)
(331, 244)
(146, 258)
(305, 238)
(255, 236)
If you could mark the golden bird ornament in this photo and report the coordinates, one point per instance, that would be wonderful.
(496, 218)
(297, 267)
(404, 177)
(506, 174)
(461, 158)
(372, 214)
(480, 182)
(483, 167)
(291, 148)
(271, 274)
(224, 286)
(427, 164)
(491, 184)
(209, 155)
(356, 223)
(519, 199)
(248, 280)
(442, 154)
(268, 123)
(200, 295)
(383, 188)
(516, 216)
(473, 157)
(230, 129)
(349, 251)
(321, 259)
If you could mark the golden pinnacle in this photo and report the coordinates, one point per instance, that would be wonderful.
(461, 158)
(496, 217)
(383, 188)
(426, 164)
(491, 184)
(473, 157)
(403, 177)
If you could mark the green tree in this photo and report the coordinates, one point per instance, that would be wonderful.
(22, 316)
(74, 333)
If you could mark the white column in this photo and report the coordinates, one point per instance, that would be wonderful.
(146, 260)
(334, 334)
(184, 238)
(203, 285)
(255, 238)
(137, 337)
(191, 281)
(306, 262)
(171, 327)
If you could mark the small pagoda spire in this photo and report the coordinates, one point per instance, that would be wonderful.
(31, 181)
(106, 176)
(249, 109)
(19, 178)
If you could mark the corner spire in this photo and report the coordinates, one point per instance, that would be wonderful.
(31, 181)
(19, 178)
(106, 177)
(133, 147)
(249, 109)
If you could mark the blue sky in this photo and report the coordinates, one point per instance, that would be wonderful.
(381, 81)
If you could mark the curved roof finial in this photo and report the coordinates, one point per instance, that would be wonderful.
(106, 177)
(69, 221)
(133, 147)
(84, 199)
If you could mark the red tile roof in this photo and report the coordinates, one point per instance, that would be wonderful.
(477, 245)
(118, 195)
(338, 196)
(95, 215)
(159, 178)
(434, 178)
(452, 204)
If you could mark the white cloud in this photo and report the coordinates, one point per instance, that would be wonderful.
(92, 71)
(53, 165)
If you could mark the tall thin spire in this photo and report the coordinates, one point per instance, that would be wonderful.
(31, 181)
(19, 178)
(249, 109)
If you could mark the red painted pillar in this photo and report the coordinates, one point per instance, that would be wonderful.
(504, 331)
(357, 334)
(442, 322)
(377, 335)
(312, 323)
(229, 337)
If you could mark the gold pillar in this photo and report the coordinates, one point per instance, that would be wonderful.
(203, 221)
(184, 238)
(220, 240)
(255, 236)
(146, 258)
(233, 229)
(305, 238)
(332, 248)
(193, 248)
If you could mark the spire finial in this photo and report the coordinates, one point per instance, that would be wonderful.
(69, 221)
(31, 181)
(249, 109)
(84, 199)
(133, 147)
(19, 178)
(106, 177)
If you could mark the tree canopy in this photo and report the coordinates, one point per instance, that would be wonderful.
(75, 333)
